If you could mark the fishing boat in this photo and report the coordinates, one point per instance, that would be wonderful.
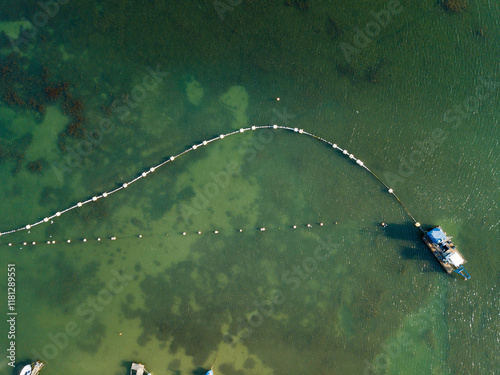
(445, 252)
(32, 369)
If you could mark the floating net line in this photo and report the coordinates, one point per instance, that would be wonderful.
(195, 147)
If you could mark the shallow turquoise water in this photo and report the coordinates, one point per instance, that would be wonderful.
(418, 104)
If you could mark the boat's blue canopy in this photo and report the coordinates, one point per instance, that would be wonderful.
(436, 235)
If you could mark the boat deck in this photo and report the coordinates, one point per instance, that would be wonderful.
(137, 369)
(436, 250)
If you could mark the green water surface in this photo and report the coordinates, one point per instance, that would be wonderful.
(417, 100)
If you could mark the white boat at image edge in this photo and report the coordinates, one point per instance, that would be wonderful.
(139, 369)
(32, 369)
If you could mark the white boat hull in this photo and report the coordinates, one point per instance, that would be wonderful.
(26, 370)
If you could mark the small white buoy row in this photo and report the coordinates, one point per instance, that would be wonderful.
(114, 238)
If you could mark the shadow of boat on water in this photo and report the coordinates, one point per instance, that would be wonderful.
(418, 251)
